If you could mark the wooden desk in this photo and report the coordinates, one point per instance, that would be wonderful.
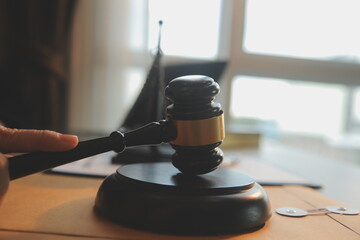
(61, 208)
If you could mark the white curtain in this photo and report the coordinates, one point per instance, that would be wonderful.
(109, 62)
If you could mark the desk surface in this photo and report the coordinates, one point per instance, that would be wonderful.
(60, 207)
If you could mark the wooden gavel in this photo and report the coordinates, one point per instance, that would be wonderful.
(194, 127)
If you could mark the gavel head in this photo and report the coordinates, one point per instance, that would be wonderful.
(198, 121)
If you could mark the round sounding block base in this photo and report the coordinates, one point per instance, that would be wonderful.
(157, 197)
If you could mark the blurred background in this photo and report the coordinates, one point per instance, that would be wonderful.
(292, 74)
(292, 67)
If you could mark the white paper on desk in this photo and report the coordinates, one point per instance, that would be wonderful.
(97, 166)
(264, 173)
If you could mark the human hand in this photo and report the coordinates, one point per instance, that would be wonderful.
(18, 140)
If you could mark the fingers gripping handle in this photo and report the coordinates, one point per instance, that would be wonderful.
(27, 164)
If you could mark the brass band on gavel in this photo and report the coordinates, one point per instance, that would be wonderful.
(199, 132)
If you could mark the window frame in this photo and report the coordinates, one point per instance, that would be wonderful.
(244, 63)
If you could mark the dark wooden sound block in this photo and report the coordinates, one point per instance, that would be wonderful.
(157, 197)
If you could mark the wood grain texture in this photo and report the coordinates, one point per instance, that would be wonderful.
(63, 206)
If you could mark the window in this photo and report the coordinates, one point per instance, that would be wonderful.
(272, 105)
(324, 30)
(355, 110)
(189, 29)
(303, 51)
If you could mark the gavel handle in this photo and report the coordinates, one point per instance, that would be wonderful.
(153, 133)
